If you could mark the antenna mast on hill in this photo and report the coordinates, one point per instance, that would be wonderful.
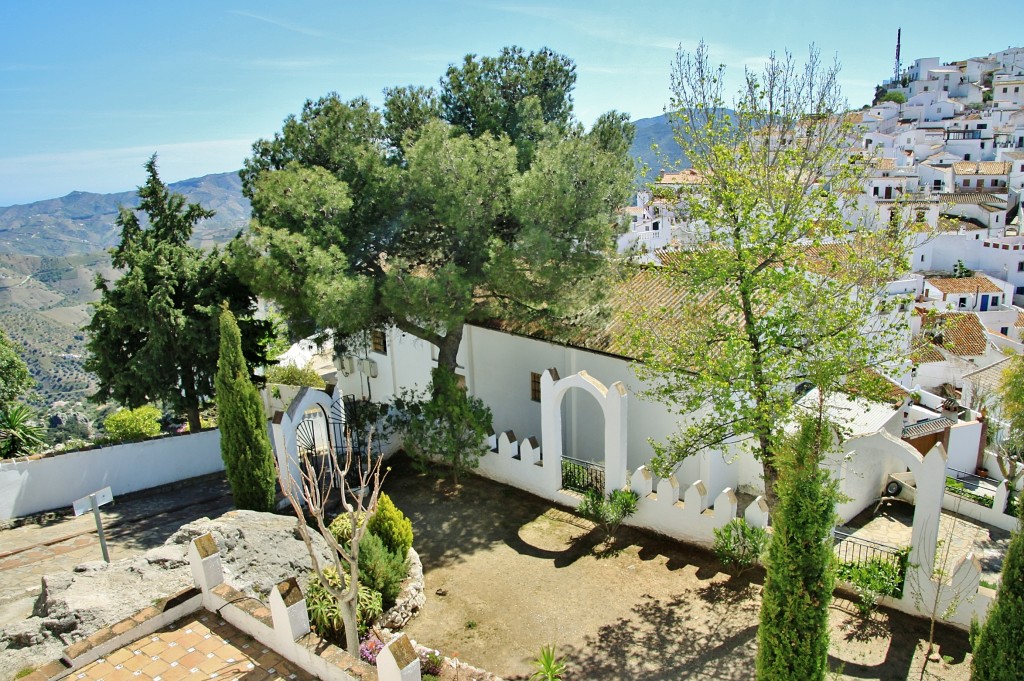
(896, 70)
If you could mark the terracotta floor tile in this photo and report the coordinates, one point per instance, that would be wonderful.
(99, 670)
(174, 673)
(172, 654)
(269, 659)
(156, 668)
(119, 656)
(137, 662)
(123, 674)
(211, 665)
(153, 648)
(189, 640)
(192, 659)
(209, 645)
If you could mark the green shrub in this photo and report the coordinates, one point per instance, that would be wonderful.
(874, 578)
(289, 374)
(325, 615)
(956, 487)
(341, 527)
(608, 513)
(997, 644)
(391, 525)
(740, 546)
(133, 424)
(19, 434)
(381, 569)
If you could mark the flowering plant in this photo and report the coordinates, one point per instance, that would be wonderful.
(431, 661)
(369, 649)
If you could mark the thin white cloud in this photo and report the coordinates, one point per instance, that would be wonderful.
(280, 24)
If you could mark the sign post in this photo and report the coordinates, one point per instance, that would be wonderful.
(93, 503)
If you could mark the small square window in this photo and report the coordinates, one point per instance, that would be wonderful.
(995, 301)
(1020, 266)
(1005, 330)
(1019, 291)
(535, 386)
(379, 342)
(963, 302)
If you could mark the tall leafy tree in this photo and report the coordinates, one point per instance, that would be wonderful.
(786, 290)
(153, 333)
(244, 445)
(15, 379)
(483, 200)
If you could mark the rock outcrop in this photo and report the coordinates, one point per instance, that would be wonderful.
(258, 550)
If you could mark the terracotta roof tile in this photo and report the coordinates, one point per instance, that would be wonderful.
(981, 167)
(688, 176)
(972, 197)
(961, 333)
(964, 285)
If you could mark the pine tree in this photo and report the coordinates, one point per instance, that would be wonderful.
(153, 332)
(793, 634)
(999, 645)
(244, 445)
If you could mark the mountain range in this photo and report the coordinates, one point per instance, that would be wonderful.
(52, 250)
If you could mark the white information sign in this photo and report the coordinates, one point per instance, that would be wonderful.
(84, 505)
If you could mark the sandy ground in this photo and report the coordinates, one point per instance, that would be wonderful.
(507, 573)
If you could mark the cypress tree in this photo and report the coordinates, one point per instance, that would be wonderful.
(793, 633)
(244, 445)
(999, 645)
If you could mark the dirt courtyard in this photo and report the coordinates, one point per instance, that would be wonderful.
(507, 573)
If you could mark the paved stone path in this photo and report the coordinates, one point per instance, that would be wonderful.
(892, 525)
(200, 646)
(49, 544)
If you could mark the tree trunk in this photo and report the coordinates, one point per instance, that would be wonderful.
(347, 606)
(194, 423)
(448, 349)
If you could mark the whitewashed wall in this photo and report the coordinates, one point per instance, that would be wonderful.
(33, 486)
(863, 468)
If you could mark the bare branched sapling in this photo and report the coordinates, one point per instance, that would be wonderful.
(360, 482)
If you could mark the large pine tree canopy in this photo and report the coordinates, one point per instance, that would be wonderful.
(482, 199)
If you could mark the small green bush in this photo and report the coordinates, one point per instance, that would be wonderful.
(381, 569)
(289, 374)
(740, 546)
(608, 513)
(133, 424)
(341, 527)
(325, 615)
(391, 525)
(874, 578)
(954, 486)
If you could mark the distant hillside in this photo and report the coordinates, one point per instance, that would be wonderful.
(82, 222)
(656, 131)
(50, 254)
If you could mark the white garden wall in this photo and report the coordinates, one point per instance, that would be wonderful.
(36, 485)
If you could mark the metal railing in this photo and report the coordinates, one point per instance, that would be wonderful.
(974, 483)
(581, 476)
(851, 549)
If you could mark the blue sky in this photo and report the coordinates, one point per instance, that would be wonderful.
(90, 89)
